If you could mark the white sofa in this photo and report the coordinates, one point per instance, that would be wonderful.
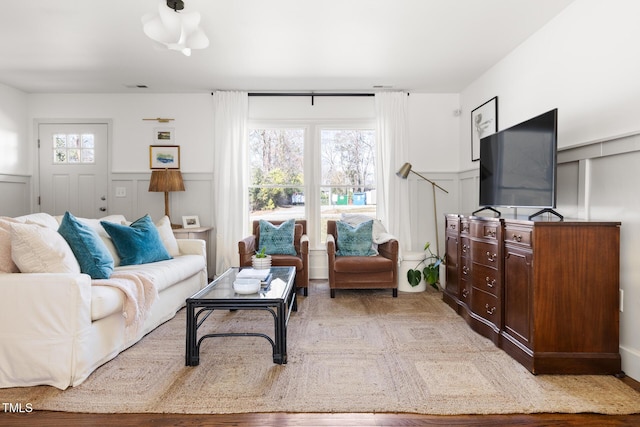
(57, 328)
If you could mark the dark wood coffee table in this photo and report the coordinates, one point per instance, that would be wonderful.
(279, 298)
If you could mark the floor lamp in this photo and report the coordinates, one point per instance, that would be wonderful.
(166, 180)
(404, 173)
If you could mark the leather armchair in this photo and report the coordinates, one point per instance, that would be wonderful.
(248, 246)
(362, 272)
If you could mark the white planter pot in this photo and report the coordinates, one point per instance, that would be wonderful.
(261, 263)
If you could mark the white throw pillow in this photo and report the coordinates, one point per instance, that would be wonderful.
(167, 236)
(6, 263)
(38, 249)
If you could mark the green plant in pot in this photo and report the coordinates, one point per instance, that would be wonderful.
(261, 259)
(431, 270)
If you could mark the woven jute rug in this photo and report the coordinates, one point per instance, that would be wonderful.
(363, 351)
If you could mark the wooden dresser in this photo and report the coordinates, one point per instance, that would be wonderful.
(545, 291)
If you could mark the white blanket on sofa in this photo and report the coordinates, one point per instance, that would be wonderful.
(140, 293)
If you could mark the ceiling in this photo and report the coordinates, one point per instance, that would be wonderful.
(97, 46)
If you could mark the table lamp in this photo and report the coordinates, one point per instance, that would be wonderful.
(166, 180)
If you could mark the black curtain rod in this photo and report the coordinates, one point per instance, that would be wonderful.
(308, 94)
(312, 95)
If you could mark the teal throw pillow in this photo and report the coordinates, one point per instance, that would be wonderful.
(355, 240)
(138, 243)
(278, 240)
(87, 246)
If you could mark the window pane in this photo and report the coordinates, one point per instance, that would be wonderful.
(348, 174)
(276, 161)
(73, 148)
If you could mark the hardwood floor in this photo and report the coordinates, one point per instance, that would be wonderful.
(68, 419)
(59, 419)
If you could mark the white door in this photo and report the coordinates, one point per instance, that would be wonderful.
(73, 168)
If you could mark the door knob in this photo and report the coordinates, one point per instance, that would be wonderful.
(103, 209)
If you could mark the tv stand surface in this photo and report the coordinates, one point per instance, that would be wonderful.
(534, 289)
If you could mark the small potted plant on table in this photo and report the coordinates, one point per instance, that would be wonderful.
(261, 260)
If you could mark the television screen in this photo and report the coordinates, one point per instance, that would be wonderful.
(518, 165)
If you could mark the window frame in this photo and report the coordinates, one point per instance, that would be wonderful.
(312, 168)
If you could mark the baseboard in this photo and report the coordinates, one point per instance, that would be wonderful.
(631, 362)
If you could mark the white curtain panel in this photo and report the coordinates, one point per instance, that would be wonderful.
(230, 174)
(392, 149)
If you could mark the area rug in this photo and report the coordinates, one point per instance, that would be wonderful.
(362, 351)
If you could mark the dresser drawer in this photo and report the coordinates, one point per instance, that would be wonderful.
(485, 253)
(486, 306)
(486, 230)
(520, 236)
(464, 226)
(452, 225)
(486, 279)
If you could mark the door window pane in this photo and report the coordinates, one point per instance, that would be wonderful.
(73, 149)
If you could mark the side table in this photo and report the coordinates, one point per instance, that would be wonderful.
(202, 233)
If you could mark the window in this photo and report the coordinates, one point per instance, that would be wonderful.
(276, 165)
(73, 149)
(313, 171)
(348, 167)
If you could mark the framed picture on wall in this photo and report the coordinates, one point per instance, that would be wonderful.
(164, 157)
(484, 122)
(164, 136)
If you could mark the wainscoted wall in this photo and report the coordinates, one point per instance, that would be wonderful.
(15, 190)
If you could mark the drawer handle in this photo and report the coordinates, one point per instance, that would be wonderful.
(465, 270)
(452, 226)
(464, 248)
(490, 283)
(490, 257)
(491, 233)
(465, 293)
(489, 310)
(465, 228)
(517, 238)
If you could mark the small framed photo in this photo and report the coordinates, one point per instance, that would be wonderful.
(164, 156)
(484, 122)
(190, 221)
(164, 136)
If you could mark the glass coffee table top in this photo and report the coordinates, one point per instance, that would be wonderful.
(221, 288)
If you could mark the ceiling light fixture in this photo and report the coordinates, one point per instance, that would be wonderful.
(173, 30)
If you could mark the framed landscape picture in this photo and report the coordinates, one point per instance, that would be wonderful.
(164, 136)
(164, 156)
(484, 122)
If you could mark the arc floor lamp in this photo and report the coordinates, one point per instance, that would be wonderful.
(403, 173)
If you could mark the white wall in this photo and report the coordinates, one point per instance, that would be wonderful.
(192, 114)
(584, 63)
(13, 131)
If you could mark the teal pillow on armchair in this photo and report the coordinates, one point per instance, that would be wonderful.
(277, 240)
(138, 243)
(355, 240)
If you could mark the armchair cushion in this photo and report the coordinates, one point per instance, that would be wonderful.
(277, 239)
(355, 240)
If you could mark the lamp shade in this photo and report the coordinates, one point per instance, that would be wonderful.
(166, 180)
(403, 172)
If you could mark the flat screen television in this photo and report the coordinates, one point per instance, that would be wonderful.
(518, 165)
